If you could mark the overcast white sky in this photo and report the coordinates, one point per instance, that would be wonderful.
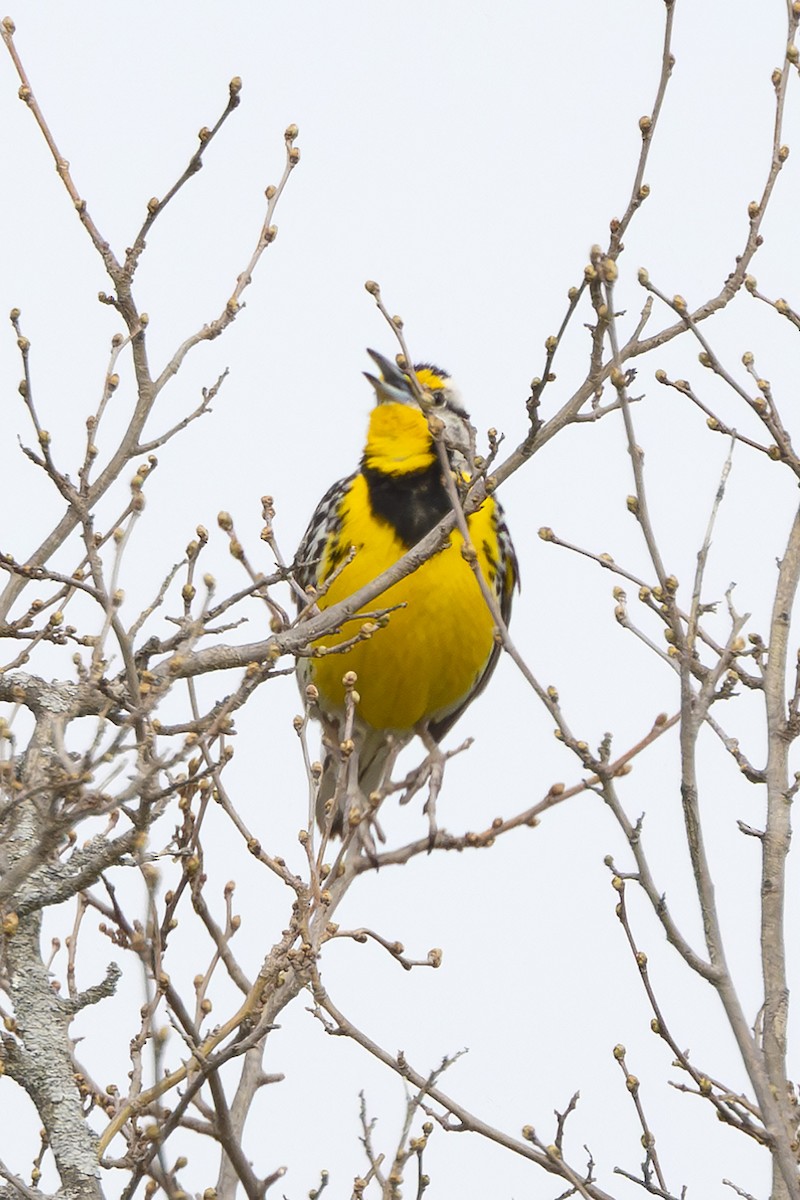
(467, 157)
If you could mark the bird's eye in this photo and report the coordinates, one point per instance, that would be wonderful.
(438, 397)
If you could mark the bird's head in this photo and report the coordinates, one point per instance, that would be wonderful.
(431, 404)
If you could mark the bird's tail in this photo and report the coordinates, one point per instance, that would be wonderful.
(348, 783)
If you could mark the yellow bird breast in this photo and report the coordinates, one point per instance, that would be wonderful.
(434, 649)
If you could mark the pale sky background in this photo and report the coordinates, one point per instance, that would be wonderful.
(467, 157)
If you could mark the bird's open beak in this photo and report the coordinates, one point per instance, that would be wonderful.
(394, 387)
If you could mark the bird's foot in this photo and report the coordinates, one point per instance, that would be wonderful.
(436, 761)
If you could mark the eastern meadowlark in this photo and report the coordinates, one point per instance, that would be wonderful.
(436, 653)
